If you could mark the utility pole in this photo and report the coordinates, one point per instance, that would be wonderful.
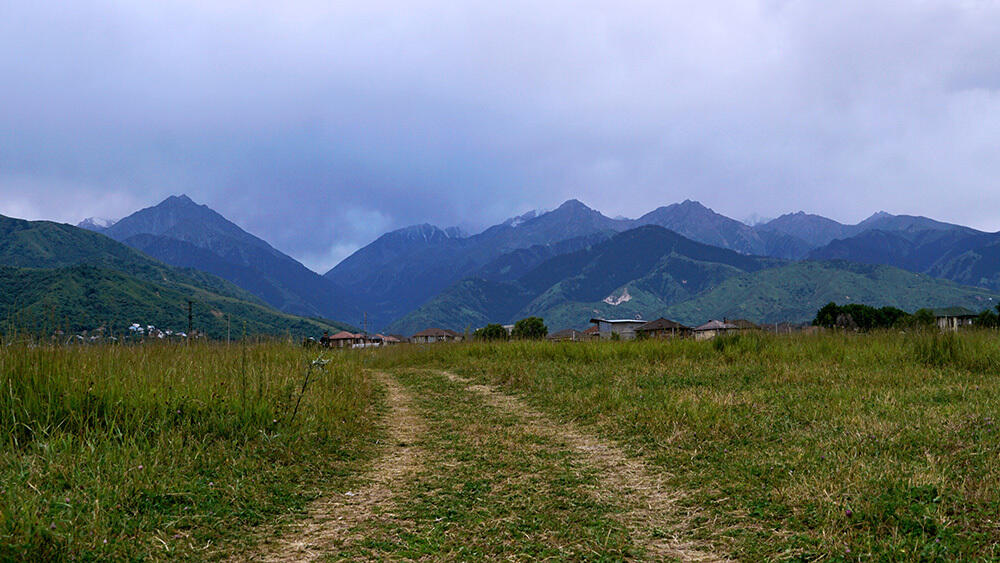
(190, 320)
(364, 324)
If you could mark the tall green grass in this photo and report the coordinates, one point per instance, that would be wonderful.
(875, 447)
(164, 451)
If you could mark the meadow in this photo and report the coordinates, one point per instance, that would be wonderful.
(168, 451)
(871, 447)
(833, 447)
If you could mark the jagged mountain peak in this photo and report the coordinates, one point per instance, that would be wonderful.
(181, 200)
(96, 224)
(876, 216)
(179, 217)
(573, 204)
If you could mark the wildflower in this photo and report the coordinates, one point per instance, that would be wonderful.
(105, 541)
(848, 512)
(140, 467)
(52, 526)
(848, 550)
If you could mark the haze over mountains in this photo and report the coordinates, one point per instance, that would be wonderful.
(573, 262)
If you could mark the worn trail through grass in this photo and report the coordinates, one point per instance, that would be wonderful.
(471, 473)
(341, 517)
(651, 512)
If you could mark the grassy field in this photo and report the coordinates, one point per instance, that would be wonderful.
(168, 451)
(833, 447)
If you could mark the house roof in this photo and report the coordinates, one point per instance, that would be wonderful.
(344, 335)
(954, 312)
(437, 332)
(592, 330)
(716, 325)
(618, 321)
(661, 324)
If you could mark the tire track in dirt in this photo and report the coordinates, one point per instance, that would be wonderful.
(652, 514)
(333, 522)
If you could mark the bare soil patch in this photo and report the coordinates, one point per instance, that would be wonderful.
(653, 515)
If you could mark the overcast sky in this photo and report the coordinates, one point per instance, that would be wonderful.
(320, 125)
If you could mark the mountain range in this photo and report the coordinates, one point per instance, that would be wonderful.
(56, 276)
(573, 262)
(182, 233)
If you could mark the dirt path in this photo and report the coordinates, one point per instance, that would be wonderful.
(652, 514)
(333, 522)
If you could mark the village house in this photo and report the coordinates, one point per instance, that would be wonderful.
(387, 339)
(344, 339)
(663, 328)
(713, 328)
(432, 335)
(954, 318)
(624, 328)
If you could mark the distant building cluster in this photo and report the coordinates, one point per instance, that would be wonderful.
(345, 339)
(954, 318)
(136, 332)
(630, 329)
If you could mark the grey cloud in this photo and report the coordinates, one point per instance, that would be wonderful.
(320, 125)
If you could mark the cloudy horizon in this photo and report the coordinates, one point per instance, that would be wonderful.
(319, 127)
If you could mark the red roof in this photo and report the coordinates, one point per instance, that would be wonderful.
(437, 332)
(344, 335)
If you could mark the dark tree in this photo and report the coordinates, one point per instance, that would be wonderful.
(530, 328)
(860, 317)
(491, 332)
(988, 319)
(827, 315)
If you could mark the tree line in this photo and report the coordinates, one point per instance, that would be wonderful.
(865, 317)
(530, 328)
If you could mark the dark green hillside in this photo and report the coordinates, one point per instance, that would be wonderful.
(182, 233)
(591, 274)
(44, 244)
(960, 255)
(85, 297)
(638, 272)
(796, 291)
(469, 302)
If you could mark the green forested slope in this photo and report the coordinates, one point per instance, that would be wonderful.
(796, 291)
(86, 297)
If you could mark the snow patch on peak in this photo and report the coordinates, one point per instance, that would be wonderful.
(96, 223)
